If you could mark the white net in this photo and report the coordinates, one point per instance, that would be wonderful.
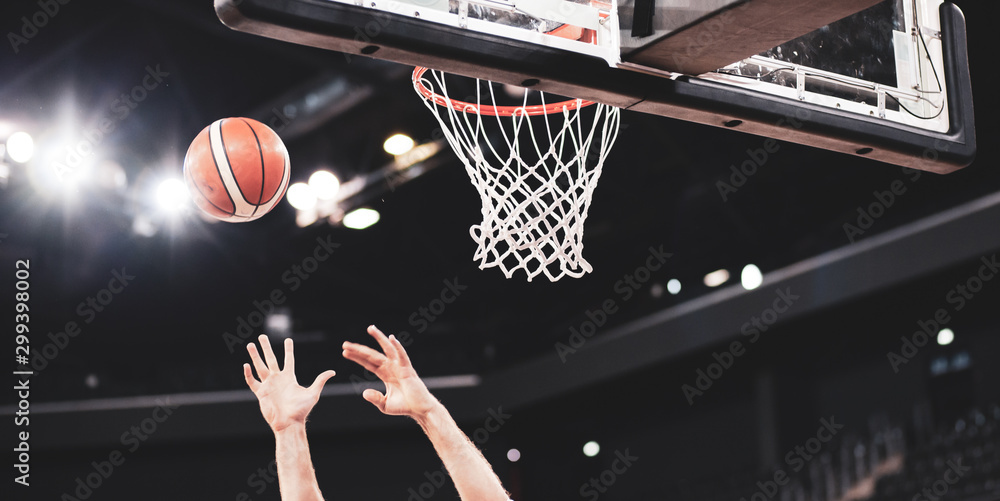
(535, 171)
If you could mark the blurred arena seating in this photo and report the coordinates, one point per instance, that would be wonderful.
(957, 458)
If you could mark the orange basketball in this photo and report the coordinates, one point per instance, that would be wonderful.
(236, 169)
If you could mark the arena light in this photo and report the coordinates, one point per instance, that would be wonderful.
(20, 147)
(717, 278)
(674, 286)
(171, 194)
(111, 175)
(398, 144)
(945, 337)
(304, 218)
(751, 277)
(144, 226)
(417, 154)
(59, 172)
(360, 219)
(325, 184)
(960, 361)
(591, 449)
(279, 323)
(301, 196)
(513, 455)
(939, 366)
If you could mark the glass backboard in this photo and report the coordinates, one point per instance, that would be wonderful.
(883, 79)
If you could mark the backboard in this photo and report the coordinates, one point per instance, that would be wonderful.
(883, 79)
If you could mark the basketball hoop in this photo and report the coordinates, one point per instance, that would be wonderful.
(535, 166)
(491, 110)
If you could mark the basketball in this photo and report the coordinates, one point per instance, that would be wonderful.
(236, 169)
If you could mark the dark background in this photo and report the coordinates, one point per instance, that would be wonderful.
(163, 334)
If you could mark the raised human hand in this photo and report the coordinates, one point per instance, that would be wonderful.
(405, 394)
(283, 402)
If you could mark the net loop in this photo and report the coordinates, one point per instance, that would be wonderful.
(535, 167)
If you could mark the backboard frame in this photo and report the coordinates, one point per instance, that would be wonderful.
(918, 97)
(359, 31)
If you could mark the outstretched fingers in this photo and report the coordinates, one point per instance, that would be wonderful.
(251, 381)
(258, 364)
(402, 357)
(390, 351)
(289, 364)
(265, 346)
(364, 356)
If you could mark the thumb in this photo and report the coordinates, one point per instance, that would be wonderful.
(375, 397)
(321, 380)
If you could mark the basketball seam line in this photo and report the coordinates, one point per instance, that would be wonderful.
(219, 169)
(285, 175)
(263, 171)
(187, 173)
(225, 153)
(282, 186)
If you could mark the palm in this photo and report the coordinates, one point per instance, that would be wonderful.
(405, 393)
(283, 402)
(403, 389)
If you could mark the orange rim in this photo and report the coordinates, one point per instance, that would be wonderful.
(564, 31)
(490, 110)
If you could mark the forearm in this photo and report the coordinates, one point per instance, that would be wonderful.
(469, 470)
(296, 477)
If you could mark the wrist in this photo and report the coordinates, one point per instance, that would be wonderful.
(430, 415)
(293, 428)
